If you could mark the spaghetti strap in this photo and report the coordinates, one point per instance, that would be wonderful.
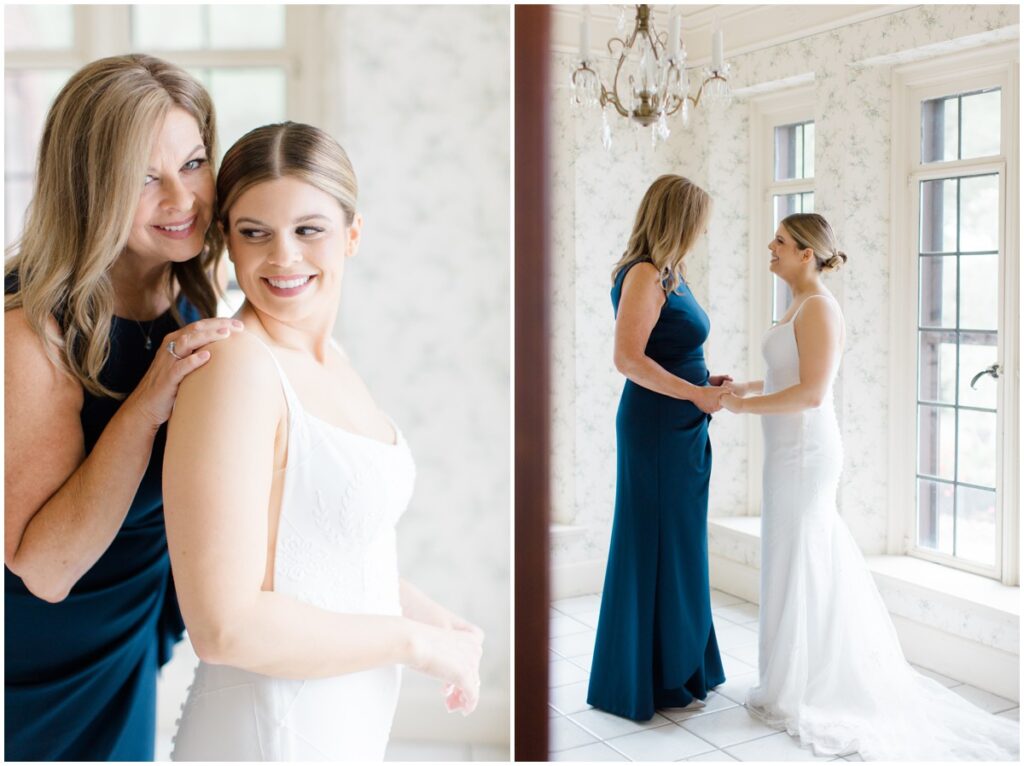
(290, 396)
(816, 295)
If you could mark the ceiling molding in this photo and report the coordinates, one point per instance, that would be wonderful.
(746, 28)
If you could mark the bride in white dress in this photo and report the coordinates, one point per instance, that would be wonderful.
(830, 667)
(283, 483)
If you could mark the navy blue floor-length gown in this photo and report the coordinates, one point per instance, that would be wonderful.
(655, 643)
(80, 678)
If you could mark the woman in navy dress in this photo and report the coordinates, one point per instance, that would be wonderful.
(117, 255)
(655, 642)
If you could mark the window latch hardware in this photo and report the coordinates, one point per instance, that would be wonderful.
(993, 371)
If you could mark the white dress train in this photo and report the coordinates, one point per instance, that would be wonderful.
(343, 494)
(831, 670)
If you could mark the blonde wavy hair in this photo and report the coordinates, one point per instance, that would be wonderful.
(810, 230)
(672, 214)
(89, 176)
(290, 149)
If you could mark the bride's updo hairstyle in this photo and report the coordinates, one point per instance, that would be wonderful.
(672, 214)
(811, 230)
(286, 150)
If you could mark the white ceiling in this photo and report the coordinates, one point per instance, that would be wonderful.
(745, 28)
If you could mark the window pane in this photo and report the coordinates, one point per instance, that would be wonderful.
(938, 216)
(978, 351)
(979, 292)
(935, 516)
(979, 213)
(976, 448)
(246, 26)
(29, 94)
(808, 152)
(937, 367)
(976, 525)
(807, 202)
(17, 194)
(781, 298)
(980, 115)
(939, 129)
(792, 150)
(786, 204)
(938, 291)
(246, 99)
(38, 27)
(168, 27)
(936, 441)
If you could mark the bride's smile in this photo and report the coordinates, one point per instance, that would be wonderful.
(289, 242)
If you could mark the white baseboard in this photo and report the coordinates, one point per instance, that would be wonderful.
(983, 666)
(734, 578)
(579, 578)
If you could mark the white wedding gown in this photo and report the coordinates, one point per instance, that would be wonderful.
(343, 494)
(831, 670)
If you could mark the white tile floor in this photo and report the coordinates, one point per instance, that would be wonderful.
(717, 729)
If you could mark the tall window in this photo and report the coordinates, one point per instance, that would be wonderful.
(792, 190)
(782, 144)
(43, 36)
(959, 147)
(958, 330)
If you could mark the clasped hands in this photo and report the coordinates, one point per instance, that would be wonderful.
(721, 392)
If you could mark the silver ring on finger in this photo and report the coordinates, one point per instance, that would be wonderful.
(170, 350)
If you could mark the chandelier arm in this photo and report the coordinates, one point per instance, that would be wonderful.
(620, 41)
(700, 90)
(653, 40)
(617, 100)
(610, 98)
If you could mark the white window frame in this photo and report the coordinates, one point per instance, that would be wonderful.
(105, 30)
(995, 66)
(767, 112)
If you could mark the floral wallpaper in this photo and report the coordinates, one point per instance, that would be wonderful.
(426, 302)
(597, 193)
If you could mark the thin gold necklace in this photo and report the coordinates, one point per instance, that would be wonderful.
(147, 332)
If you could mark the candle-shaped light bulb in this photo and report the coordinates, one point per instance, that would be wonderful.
(673, 37)
(585, 35)
(717, 51)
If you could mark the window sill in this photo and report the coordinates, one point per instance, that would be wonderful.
(563, 533)
(960, 603)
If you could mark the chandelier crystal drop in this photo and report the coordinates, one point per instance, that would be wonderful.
(650, 83)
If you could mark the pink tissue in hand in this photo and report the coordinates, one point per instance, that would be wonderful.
(454, 699)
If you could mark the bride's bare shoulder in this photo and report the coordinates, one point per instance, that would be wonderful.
(817, 310)
(241, 364)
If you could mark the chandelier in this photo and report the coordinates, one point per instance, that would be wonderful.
(651, 82)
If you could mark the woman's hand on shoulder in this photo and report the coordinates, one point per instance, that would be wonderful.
(182, 352)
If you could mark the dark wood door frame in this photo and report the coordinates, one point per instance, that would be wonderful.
(532, 386)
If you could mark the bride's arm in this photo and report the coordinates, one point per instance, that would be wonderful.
(417, 605)
(748, 388)
(217, 482)
(818, 331)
